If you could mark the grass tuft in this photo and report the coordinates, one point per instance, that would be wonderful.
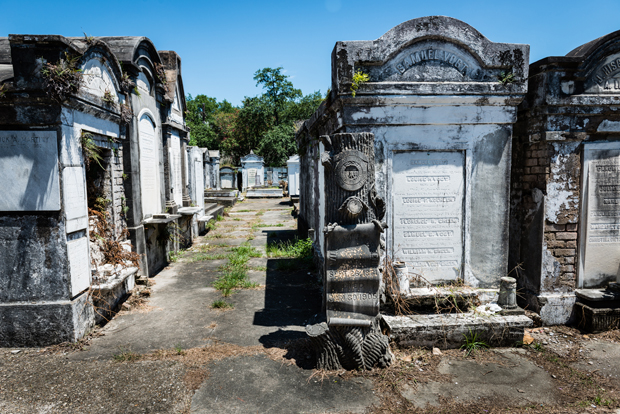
(472, 343)
(234, 274)
(222, 304)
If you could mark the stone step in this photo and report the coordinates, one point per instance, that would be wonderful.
(223, 201)
(435, 299)
(445, 299)
(214, 210)
(447, 331)
(205, 219)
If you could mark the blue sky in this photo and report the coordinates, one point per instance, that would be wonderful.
(223, 43)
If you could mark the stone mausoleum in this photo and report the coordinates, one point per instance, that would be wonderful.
(93, 146)
(565, 231)
(441, 100)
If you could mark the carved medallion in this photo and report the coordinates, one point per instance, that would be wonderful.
(352, 207)
(352, 170)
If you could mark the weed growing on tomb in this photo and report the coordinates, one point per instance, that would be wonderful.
(127, 85)
(359, 78)
(108, 98)
(126, 114)
(88, 39)
(506, 77)
(90, 150)
(222, 304)
(62, 78)
(472, 343)
(3, 90)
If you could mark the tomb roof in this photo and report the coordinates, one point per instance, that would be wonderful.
(127, 48)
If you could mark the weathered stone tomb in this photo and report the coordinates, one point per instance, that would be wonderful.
(440, 99)
(565, 230)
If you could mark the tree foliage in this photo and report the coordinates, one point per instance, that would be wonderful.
(264, 123)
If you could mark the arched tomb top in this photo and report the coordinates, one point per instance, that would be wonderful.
(600, 64)
(431, 50)
(101, 73)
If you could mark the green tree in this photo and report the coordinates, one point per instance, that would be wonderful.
(303, 108)
(200, 117)
(278, 89)
(277, 145)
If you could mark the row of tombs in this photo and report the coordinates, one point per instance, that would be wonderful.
(483, 166)
(101, 184)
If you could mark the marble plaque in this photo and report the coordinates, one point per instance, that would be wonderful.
(427, 228)
(29, 164)
(176, 175)
(149, 168)
(601, 225)
(226, 180)
(79, 265)
(199, 183)
(74, 198)
(251, 177)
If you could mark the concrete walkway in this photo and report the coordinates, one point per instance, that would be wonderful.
(174, 353)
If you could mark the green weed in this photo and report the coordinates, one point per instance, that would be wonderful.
(222, 304)
(126, 356)
(472, 343)
(174, 257)
(234, 274)
(298, 249)
(203, 257)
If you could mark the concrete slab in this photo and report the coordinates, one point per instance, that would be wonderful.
(259, 385)
(515, 379)
(602, 357)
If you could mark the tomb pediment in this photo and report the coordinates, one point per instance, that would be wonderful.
(432, 61)
(437, 50)
(605, 78)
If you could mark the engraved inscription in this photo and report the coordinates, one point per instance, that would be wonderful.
(423, 179)
(417, 200)
(453, 59)
(428, 193)
(438, 250)
(606, 78)
(437, 220)
(252, 177)
(602, 229)
(448, 233)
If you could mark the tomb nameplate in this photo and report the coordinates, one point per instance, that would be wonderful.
(175, 169)
(149, 173)
(29, 162)
(226, 180)
(79, 264)
(606, 77)
(199, 182)
(602, 227)
(427, 228)
(251, 177)
(74, 197)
